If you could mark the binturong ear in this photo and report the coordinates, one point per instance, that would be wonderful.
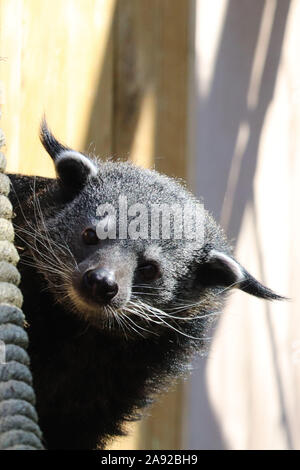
(222, 270)
(72, 168)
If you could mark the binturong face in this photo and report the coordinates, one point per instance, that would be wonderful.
(129, 249)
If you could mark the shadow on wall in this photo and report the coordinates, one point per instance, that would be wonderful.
(229, 125)
(231, 117)
(147, 59)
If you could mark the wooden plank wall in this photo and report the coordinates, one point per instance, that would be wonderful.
(111, 76)
(247, 168)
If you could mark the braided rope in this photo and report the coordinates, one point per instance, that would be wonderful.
(19, 429)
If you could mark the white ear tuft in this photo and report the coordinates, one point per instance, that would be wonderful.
(73, 168)
(79, 158)
(220, 269)
(228, 262)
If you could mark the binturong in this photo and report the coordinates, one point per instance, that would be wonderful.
(123, 273)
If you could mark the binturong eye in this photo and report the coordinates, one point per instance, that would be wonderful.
(149, 272)
(90, 237)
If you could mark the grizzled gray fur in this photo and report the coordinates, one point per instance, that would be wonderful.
(111, 321)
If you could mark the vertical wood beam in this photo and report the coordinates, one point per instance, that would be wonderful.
(150, 127)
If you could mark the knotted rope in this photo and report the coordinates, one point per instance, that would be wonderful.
(19, 427)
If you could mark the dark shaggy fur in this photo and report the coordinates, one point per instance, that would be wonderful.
(96, 364)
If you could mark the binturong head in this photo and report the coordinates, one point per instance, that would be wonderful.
(131, 248)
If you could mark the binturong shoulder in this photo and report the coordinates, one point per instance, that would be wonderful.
(123, 271)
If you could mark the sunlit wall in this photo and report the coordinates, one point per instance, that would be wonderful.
(245, 147)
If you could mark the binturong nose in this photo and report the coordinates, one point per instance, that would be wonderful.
(100, 284)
